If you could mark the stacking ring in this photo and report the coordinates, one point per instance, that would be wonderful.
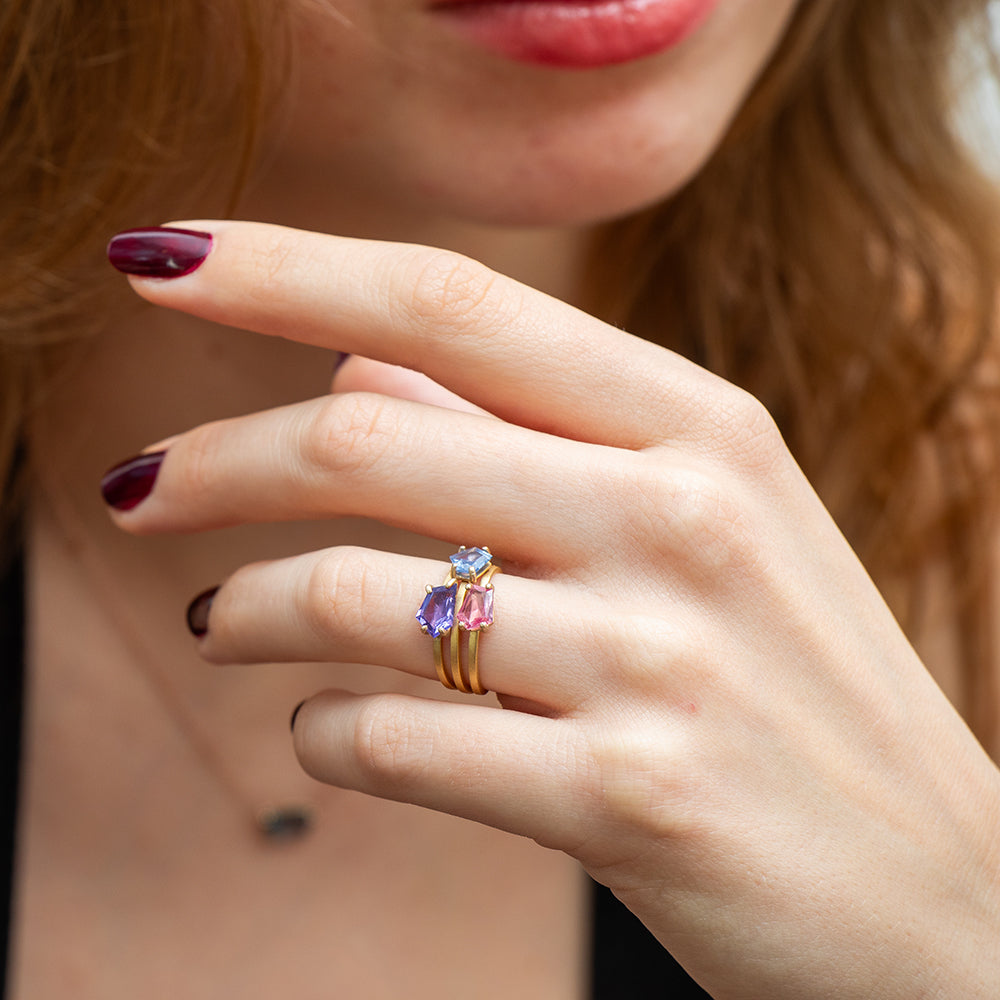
(461, 607)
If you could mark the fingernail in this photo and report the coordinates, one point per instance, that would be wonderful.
(129, 483)
(159, 252)
(295, 712)
(197, 612)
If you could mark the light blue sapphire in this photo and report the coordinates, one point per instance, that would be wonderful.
(470, 564)
(437, 613)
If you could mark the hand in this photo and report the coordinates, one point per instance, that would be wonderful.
(707, 702)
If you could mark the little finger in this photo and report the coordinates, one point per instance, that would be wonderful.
(512, 771)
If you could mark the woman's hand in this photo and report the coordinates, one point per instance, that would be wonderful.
(708, 704)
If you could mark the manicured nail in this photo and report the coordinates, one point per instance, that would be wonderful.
(129, 483)
(159, 252)
(295, 712)
(197, 612)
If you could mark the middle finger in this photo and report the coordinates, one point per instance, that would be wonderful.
(423, 468)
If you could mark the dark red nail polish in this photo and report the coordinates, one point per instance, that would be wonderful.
(129, 483)
(159, 252)
(197, 612)
(295, 712)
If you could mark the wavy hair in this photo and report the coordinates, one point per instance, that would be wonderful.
(838, 257)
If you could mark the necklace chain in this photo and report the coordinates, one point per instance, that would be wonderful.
(275, 823)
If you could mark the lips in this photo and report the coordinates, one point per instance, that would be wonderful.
(574, 34)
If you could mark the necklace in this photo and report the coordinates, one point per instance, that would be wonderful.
(274, 823)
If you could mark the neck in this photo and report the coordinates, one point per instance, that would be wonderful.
(153, 373)
(548, 258)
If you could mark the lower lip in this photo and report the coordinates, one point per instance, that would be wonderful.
(575, 34)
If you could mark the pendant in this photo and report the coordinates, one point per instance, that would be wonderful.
(284, 824)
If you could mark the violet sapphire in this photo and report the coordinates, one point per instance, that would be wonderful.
(437, 613)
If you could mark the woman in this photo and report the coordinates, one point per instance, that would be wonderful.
(706, 702)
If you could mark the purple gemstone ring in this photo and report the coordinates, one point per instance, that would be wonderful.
(461, 608)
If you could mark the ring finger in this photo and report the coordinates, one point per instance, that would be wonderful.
(354, 605)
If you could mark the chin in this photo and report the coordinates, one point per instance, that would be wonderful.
(575, 203)
(565, 188)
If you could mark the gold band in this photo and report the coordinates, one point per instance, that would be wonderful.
(439, 666)
(456, 637)
(462, 604)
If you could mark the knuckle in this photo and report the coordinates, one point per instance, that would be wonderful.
(645, 787)
(341, 591)
(640, 652)
(748, 435)
(347, 433)
(698, 517)
(450, 294)
(391, 749)
(613, 639)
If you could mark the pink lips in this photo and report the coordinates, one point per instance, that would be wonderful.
(575, 34)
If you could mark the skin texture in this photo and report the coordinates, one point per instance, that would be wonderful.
(460, 136)
(730, 730)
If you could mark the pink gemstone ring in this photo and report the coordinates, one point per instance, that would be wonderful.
(461, 608)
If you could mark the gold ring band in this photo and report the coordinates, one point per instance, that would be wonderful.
(462, 604)
(457, 679)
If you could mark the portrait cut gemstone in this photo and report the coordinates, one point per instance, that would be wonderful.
(468, 564)
(476, 611)
(437, 613)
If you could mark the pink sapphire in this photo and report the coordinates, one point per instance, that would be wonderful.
(476, 611)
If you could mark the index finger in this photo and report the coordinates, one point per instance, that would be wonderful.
(505, 347)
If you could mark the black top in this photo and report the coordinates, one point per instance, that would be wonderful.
(627, 961)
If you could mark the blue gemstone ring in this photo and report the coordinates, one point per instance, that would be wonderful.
(470, 564)
(461, 607)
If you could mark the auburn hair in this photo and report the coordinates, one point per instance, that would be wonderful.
(837, 255)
